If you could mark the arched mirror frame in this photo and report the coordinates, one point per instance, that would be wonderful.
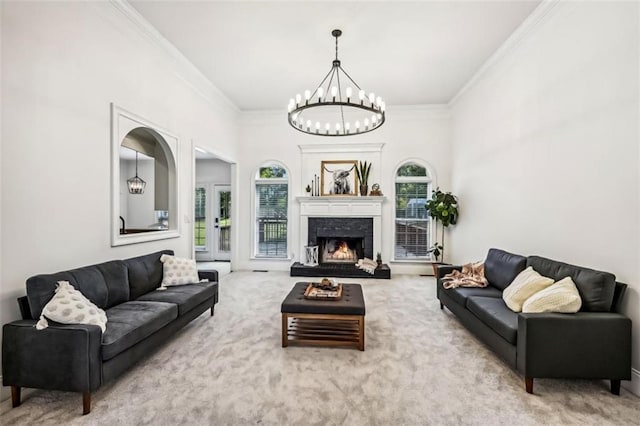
(123, 122)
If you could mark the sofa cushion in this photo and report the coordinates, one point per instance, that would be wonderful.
(596, 288)
(501, 267)
(186, 296)
(561, 297)
(460, 294)
(525, 285)
(495, 314)
(131, 322)
(105, 285)
(145, 273)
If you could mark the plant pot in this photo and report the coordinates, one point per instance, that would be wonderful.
(364, 190)
(435, 266)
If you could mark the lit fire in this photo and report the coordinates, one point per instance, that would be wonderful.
(342, 252)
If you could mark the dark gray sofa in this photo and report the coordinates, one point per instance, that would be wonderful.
(594, 343)
(79, 358)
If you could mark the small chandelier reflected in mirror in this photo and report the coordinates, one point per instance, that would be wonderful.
(351, 110)
(135, 184)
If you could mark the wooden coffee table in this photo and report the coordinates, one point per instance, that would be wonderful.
(324, 322)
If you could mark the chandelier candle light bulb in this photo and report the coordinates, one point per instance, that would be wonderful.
(339, 107)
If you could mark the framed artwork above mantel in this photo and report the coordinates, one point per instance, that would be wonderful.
(338, 178)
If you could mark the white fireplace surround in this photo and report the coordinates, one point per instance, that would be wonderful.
(341, 206)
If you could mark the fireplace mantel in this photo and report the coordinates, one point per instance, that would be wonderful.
(341, 206)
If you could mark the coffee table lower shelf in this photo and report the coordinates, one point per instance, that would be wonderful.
(323, 329)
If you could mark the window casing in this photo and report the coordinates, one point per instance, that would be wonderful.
(271, 212)
(412, 233)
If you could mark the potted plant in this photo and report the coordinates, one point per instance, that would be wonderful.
(443, 208)
(362, 170)
(379, 259)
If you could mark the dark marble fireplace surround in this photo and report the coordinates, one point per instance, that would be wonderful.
(342, 227)
(320, 228)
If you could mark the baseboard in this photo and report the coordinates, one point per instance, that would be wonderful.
(633, 385)
(4, 391)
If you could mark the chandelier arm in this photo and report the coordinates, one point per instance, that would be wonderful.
(349, 77)
(333, 73)
(322, 82)
(340, 98)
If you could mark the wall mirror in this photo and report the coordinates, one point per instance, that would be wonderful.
(143, 180)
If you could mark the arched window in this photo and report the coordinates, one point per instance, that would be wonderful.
(413, 224)
(271, 211)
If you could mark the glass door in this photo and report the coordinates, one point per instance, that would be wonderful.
(222, 222)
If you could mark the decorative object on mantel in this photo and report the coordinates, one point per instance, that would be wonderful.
(443, 208)
(363, 171)
(337, 177)
(135, 184)
(375, 190)
(367, 265)
(308, 189)
(365, 114)
(311, 255)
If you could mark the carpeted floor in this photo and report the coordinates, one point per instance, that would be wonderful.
(420, 367)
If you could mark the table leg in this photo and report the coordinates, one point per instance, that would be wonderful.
(285, 330)
(361, 333)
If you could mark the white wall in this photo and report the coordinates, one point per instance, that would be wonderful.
(213, 171)
(545, 147)
(62, 65)
(410, 132)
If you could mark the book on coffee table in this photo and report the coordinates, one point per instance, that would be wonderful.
(316, 293)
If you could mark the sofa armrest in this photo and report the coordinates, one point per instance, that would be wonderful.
(60, 357)
(447, 269)
(211, 275)
(588, 345)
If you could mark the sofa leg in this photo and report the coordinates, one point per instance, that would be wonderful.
(212, 306)
(441, 305)
(15, 396)
(615, 386)
(86, 403)
(528, 384)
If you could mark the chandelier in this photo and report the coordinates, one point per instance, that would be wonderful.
(333, 109)
(135, 184)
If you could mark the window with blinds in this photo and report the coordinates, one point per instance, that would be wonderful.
(272, 198)
(412, 222)
(200, 215)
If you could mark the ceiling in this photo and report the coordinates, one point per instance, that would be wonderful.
(261, 53)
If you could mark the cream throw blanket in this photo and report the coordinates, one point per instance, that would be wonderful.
(472, 275)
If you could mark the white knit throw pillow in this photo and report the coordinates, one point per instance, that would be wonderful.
(562, 296)
(69, 306)
(525, 285)
(178, 271)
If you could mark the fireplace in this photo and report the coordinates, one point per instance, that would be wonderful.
(341, 239)
(340, 250)
(344, 229)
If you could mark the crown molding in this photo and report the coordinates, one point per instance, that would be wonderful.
(185, 69)
(359, 147)
(529, 26)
